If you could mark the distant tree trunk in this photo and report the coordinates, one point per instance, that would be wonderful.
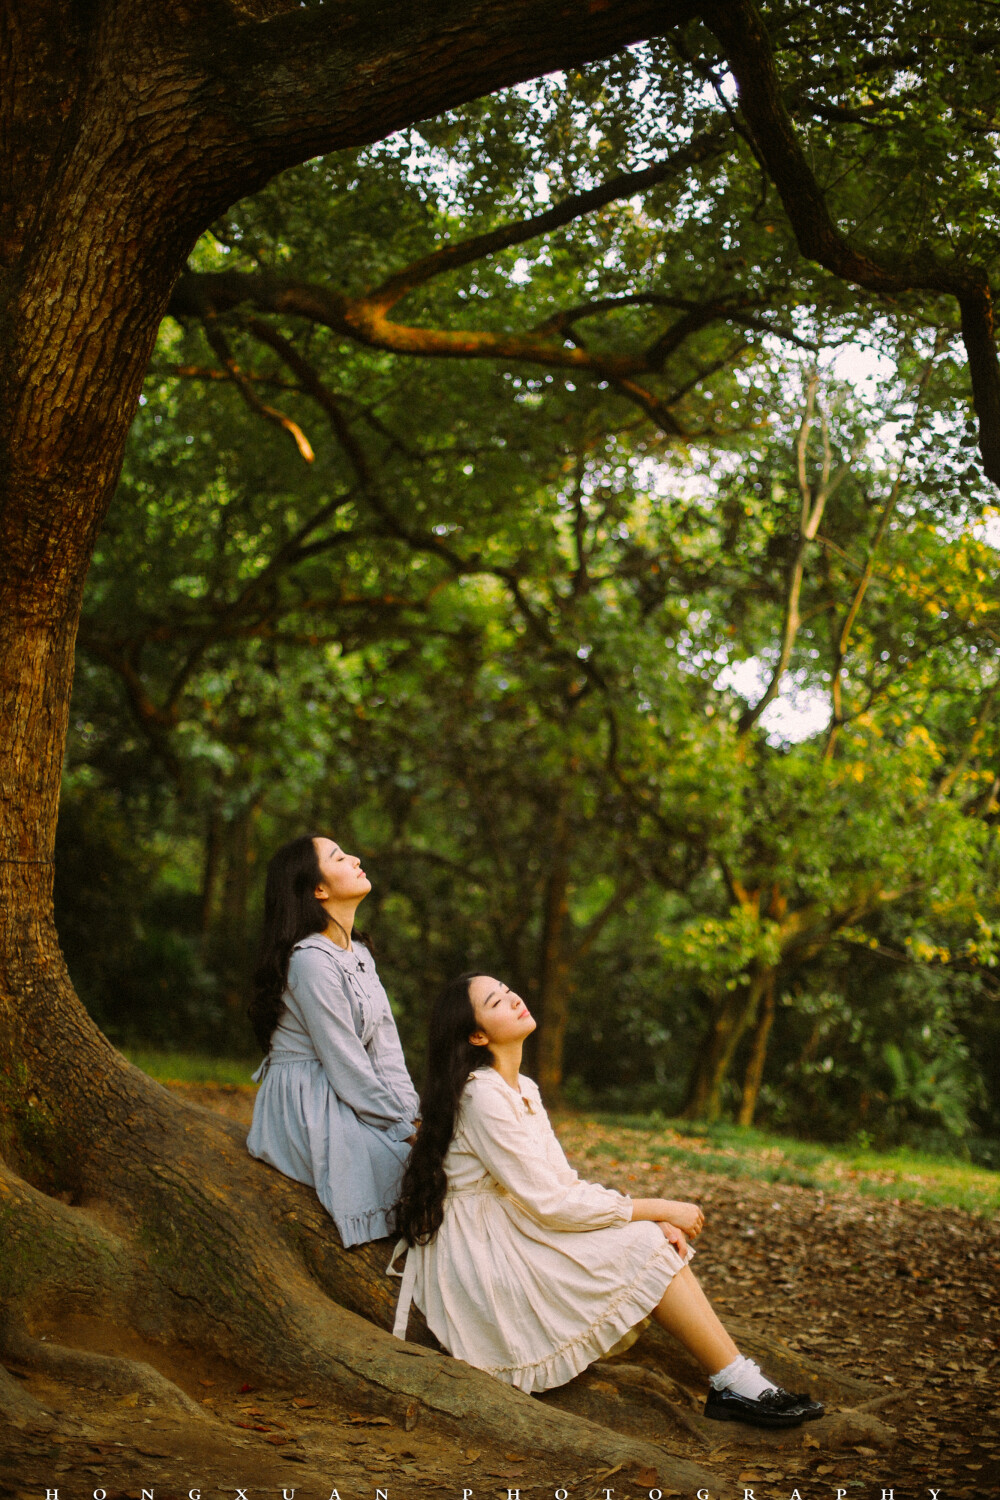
(231, 944)
(758, 1053)
(234, 904)
(732, 1013)
(210, 871)
(554, 988)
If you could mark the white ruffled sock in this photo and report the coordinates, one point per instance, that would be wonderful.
(743, 1377)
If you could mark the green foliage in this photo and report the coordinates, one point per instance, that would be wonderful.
(125, 932)
(496, 634)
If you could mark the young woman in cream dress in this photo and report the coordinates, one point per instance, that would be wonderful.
(520, 1267)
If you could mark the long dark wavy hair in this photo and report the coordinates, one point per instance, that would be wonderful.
(451, 1057)
(291, 912)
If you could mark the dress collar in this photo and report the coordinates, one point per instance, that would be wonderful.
(527, 1088)
(356, 959)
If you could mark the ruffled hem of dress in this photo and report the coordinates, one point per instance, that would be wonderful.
(358, 1229)
(631, 1305)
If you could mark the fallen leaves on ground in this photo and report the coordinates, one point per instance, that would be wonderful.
(895, 1293)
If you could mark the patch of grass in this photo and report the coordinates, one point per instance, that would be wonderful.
(190, 1067)
(733, 1164)
(729, 1150)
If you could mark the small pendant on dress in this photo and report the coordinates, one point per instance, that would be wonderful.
(361, 965)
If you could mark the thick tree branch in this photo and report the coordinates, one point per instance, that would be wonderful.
(743, 36)
(554, 343)
(218, 342)
(206, 372)
(208, 294)
(321, 79)
(735, 310)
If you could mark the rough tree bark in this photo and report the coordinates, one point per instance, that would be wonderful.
(126, 130)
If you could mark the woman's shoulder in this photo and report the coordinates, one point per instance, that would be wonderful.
(492, 1078)
(358, 955)
(485, 1090)
(315, 955)
(479, 1086)
(304, 950)
(484, 1077)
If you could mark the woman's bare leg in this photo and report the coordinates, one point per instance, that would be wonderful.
(686, 1312)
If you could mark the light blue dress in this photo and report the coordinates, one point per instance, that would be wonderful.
(336, 1103)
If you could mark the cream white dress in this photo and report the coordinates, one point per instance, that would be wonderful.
(533, 1273)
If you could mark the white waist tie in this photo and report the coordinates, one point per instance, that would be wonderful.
(409, 1276)
(409, 1272)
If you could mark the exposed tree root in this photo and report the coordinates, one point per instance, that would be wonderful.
(641, 1377)
(886, 1399)
(845, 1429)
(178, 1236)
(55, 1253)
(191, 1243)
(18, 1407)
(656, 1349)
(797, 1372)
(100, 1372)
(660, 1392)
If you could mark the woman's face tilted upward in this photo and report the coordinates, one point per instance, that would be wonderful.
(501, 1014)
(341, 875)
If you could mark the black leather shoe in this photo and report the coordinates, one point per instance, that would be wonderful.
(775, 1408)
(807, 1408)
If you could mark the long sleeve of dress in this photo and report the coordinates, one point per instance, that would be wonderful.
(392, 1063)
(320, 991)
(551, 1192)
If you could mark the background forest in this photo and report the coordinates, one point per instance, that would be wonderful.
(511, 501)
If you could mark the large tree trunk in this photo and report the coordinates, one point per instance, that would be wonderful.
(124, 135)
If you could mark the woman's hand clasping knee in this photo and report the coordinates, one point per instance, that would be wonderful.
(674, 1236)
(687, 1216)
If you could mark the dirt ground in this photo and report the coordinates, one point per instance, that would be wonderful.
(903, 1297)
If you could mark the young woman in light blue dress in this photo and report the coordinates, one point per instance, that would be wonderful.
(336, 1107)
